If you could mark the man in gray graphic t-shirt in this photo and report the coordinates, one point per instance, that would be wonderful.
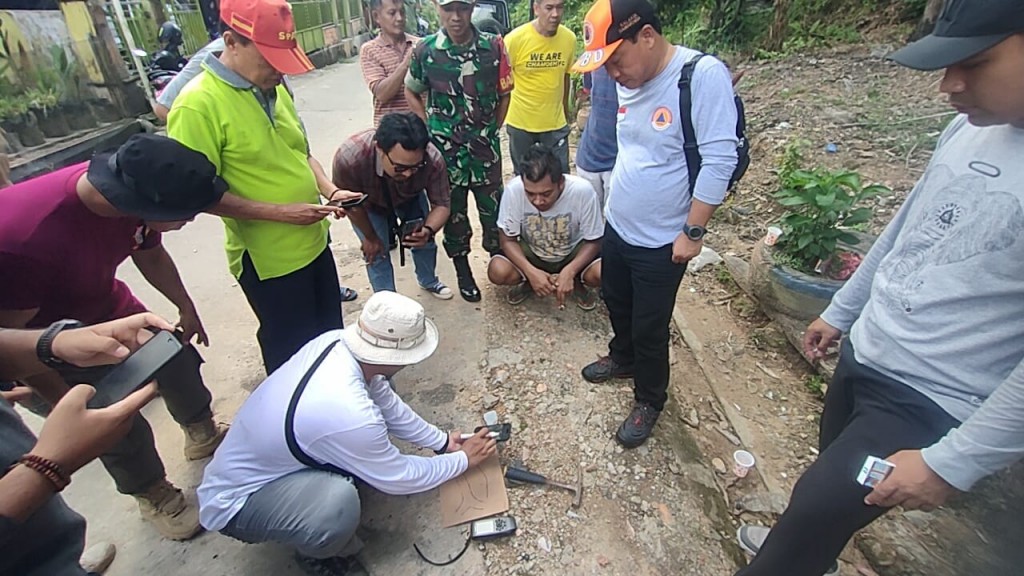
(931, 375)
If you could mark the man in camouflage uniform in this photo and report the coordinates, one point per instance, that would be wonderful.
(468, 81)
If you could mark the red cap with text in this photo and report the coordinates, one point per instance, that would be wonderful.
(270, 26)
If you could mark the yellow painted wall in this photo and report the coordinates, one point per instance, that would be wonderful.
(31, 36)
(79, 22)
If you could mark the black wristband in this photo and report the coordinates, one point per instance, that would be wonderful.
(44, 346)
(432, 231)
(444, 447)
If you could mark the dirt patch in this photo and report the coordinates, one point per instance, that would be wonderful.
(653, 510)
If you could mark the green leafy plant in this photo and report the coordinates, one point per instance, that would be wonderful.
(12, 107)
(816, 384)
(41, 100)
(821, 207)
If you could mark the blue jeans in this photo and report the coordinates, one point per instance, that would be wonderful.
(381, 272)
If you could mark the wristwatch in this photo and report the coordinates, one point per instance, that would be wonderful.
(44, 346)
(694, 232)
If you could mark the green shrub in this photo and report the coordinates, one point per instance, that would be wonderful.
(821, 208)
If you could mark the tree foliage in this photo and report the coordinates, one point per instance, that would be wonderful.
(758, 26)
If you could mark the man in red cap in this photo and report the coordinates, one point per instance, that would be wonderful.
(239, 113)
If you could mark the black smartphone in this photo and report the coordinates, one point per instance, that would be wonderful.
(349, 203)
(137, 370)
(410, 226)
(499, 432)
(503, 431)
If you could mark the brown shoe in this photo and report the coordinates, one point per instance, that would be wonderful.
(202, 438)
(165, 507)
(97, 558)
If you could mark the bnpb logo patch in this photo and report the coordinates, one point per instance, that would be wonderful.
(661, 119)
(588, 34)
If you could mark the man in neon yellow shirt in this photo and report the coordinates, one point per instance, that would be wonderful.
(242, 117)
(541, 53)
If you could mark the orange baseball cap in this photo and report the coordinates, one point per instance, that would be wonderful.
(607, 24)
(269, 24)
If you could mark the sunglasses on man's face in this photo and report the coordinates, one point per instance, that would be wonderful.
(403, 168)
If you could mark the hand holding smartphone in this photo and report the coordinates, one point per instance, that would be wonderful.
(136, 370)
(411, 227)
(349, 203)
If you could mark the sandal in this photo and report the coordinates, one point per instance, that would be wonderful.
(348, 294)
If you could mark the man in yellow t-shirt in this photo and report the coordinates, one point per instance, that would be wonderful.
(541, 53)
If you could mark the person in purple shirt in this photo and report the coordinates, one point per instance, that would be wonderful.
(596, 153)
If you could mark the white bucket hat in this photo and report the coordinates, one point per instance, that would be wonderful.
(392, 330)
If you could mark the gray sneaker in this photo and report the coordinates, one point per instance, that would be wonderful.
(751, 538)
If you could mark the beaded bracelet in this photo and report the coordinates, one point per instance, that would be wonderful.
(48, 468)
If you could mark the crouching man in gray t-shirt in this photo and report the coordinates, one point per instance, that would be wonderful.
(549, 232)
(931, 375)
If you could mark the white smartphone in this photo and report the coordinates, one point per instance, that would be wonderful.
(495, 527)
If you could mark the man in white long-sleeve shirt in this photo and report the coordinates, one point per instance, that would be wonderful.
(931, 377)
(655, 222)
(284, 473)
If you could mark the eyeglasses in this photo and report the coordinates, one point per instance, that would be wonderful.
(403, 168)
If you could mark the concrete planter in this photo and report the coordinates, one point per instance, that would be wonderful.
(80, 116)
(26, 128)
(52, 122)
(783, 290)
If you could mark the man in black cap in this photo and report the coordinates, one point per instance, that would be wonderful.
(931, 375)
(62, 237)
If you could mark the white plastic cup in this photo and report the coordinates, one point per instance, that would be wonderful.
(774, 232)
(743, 462)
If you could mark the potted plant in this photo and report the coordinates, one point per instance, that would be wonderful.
(820, 246)
(43, 103)
(77, 111)
(18, 122)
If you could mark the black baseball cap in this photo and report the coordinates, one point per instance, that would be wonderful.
(964, 28)
(607, 24)
(158, 179)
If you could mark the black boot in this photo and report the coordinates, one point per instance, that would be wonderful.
(467, 286)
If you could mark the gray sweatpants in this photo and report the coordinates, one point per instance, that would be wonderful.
(313, 511)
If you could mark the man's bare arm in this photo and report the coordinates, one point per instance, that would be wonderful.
(387, 89)
(502, 110)
(234, 206)
(586, 255)
(416, 103)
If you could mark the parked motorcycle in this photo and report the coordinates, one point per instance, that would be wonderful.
(164, 64)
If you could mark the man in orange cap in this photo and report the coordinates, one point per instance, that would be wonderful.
(243, 118)
(655, 218)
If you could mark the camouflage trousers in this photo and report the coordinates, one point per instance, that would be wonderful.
(458, 232)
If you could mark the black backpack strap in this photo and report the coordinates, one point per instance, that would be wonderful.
(289, 420)
(690, 148)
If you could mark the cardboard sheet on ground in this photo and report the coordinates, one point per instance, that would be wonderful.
(478, 493)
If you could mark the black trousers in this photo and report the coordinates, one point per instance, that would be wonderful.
(294, 308)
(639, 286)
(866, 414)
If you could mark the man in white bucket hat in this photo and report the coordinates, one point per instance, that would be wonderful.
(285, 471)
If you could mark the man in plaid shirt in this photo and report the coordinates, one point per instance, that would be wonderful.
(406, 181)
